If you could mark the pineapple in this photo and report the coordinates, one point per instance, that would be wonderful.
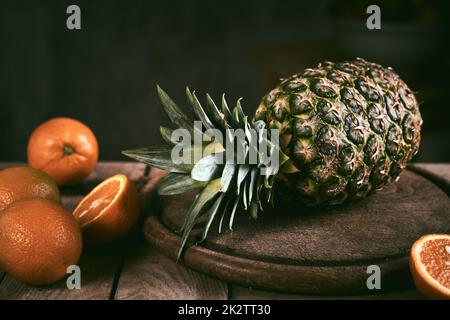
(345, 130)
(348, 129)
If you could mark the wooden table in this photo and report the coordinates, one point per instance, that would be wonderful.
(132, 269)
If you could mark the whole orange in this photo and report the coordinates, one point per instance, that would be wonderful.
(17, 183)
(109, 211)
(64, 148)
(39, 239)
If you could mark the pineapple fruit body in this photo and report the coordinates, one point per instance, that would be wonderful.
(348, 128)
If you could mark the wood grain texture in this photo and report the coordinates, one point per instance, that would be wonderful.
(148, 274)
(98, 268)
(103, 170)
(311, 250)
(381, 226)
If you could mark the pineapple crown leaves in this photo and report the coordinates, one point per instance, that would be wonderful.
(224, 187)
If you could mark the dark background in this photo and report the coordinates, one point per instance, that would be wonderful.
(105, 74)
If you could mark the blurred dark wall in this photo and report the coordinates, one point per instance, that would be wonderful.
(105, 74)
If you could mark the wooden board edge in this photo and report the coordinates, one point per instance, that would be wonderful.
(430, 172)
(334, 280)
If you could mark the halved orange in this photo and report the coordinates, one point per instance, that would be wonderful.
(109, 211)
(430, 265)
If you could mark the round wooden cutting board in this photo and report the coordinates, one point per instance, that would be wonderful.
(306, 250)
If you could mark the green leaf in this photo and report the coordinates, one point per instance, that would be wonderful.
(247, 130)
(227, 113)
(178, 183)
(214, 114)
(198, 109)
(239, 110)
(187, 215)
(159, 157)
(236, 118)
(227, 176)
(244, 194)
(269, 189)
(206, 169)
(260, 189)
(252, 140)
(254, 210)
(273, 170)
(243, 171)
(225, 210)
(283, 158)
(220, 202)
(166, 134)
(233, 213)
(238, 115)
(176, 115)
(199, 205)
(272, 195)
(253, 183)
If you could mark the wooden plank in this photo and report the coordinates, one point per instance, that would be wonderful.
(148, 274)
(133, 170)
(103, 169)
(242, 293)
(98, 267)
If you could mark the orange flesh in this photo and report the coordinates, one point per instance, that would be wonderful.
(435, 256)
(97, 202)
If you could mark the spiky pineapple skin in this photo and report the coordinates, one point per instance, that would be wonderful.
(348, 128)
